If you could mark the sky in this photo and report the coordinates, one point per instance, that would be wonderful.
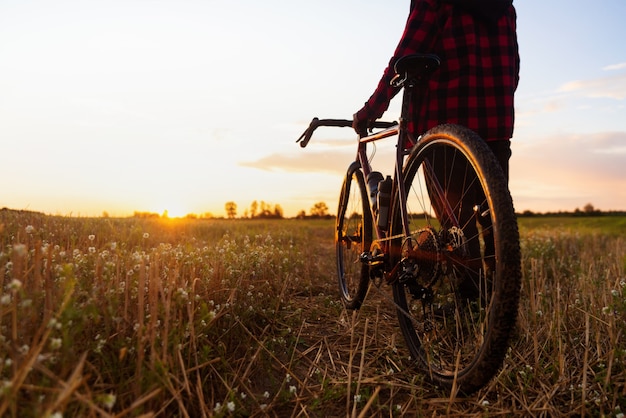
(120, 106)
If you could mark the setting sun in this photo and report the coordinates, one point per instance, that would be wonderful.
(172, 211)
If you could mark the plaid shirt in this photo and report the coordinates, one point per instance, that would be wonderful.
(477, 79)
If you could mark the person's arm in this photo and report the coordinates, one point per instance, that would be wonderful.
(419, 36)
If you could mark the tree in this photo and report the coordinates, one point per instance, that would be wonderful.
(278, 211)
(231, 210)
(589, 209)
(254, 206)
(319, 210)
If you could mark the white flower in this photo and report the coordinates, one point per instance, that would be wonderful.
(30, 229)
(292, 389)
(230, 406)
(5, 387)
(485, 403)
(266, 394)
(606, 310)
(218, 407)
(20, 249)
(91, 237)
(146, 236)
(108, 400)
(15, 285)
(55, 343)
(5, 299)
(615, 292)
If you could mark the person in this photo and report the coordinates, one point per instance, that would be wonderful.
(476, 41)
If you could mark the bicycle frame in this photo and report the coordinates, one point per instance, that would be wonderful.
(398, 183)
(410, 73)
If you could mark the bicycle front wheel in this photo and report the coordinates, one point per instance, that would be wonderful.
(353, 236)
(459, 274)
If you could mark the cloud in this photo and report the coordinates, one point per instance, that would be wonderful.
(330, 161)
(612, 87)
(614, 67)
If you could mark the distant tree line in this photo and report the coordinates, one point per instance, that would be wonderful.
(587, 210)
(263, 210)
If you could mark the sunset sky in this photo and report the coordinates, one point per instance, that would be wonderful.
(124, 106)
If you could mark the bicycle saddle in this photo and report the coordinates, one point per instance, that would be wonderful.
(416, 67)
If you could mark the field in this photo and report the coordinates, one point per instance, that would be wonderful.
(190, 318)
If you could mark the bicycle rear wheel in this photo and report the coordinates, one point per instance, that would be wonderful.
(353, 236)
(457, 290)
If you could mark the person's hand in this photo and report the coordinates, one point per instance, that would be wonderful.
(360, 125)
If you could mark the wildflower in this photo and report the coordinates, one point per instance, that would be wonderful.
(357, 398)
(30, 229)
(5, 387)
(20, 249)
(55, 343)
(53, 323)
(606, 310)
(615, 292)
(108, 400)
(266, 394)
(212, 315)
(485, 402)
(92, 250)
(292, 389)
(218, 408)
(288, 378)
(15, 285)
(146, 235)
(230, 406)
(91, 237)
(5, 299)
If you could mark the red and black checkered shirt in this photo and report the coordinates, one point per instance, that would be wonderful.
(478, 76)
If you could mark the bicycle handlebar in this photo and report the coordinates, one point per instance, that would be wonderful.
(341, 123)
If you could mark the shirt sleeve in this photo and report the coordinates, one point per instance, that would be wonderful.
(419, 35)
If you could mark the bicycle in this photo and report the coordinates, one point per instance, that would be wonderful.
(442, 233)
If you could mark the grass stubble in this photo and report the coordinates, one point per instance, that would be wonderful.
(128, 317)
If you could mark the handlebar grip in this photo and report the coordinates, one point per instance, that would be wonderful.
(342, 123)
(306, 135)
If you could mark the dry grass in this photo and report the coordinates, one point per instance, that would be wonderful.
(123, 317)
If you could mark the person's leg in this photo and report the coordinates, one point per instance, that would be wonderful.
(452, 176)
(502, 151)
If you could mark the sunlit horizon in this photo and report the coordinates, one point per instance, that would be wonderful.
(123, 107)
